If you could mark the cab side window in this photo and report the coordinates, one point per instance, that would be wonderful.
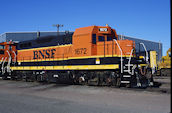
(10, 47)
(109, 38)
(101, 38)
(1, 51)
(94, 39)
(2, 47)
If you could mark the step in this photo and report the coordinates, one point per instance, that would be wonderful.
(126, 70)
(126, 82)
(128, 64)
(127, 76)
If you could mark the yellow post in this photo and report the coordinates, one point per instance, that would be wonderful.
(153, 62)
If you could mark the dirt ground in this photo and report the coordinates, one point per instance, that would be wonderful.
(33, 97)
(165, 82)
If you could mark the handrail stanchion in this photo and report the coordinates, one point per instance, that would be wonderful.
(121, 56)
(2, 68)
(2, 60)
(130, 61)
(146, 52)
(9, 61)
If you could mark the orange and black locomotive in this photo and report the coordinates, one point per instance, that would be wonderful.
(91, 55)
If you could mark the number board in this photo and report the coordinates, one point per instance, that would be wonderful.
(103, 29)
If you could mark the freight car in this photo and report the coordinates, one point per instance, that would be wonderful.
(91, 55)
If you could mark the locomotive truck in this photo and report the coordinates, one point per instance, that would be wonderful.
(91, 55)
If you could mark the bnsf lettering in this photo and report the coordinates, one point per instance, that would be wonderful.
(81, 51)
(40, 54)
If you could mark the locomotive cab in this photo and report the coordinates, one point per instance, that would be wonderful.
(99, 40)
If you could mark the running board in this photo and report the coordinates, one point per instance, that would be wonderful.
(128, 64)
(125, 82)
(126, 70)
(127, 76)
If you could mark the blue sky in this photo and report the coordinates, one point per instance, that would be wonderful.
(145, 19)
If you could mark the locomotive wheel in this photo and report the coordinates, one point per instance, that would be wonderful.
(165, 72)
(118, 82)
(148, 74)
(114, 82)
(4, 77)
(39, 78)
(109, 81)
(13, 78)
(128, 86)
(81, 81)
(94, 81)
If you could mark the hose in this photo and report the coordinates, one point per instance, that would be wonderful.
(141, 71)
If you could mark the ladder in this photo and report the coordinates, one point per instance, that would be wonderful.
(128, 75)
(128, 72)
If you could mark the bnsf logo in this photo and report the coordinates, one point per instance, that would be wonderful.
(48, 53)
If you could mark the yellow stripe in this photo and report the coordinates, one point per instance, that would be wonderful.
(45, 47)
(143, 64)
(70, 58)
(81, 67)
(99, 56)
